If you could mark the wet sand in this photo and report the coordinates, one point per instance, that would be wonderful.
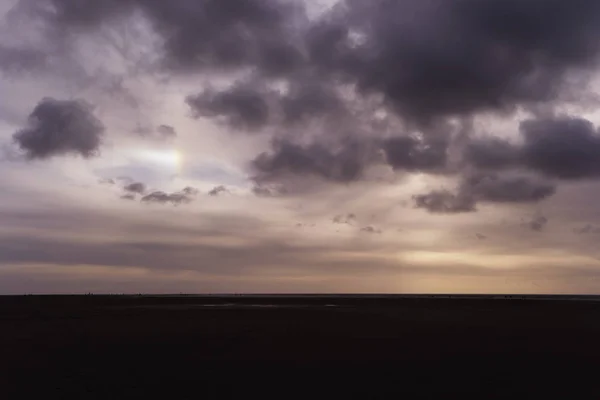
(298, 347)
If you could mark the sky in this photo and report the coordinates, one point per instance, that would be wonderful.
(284, 146)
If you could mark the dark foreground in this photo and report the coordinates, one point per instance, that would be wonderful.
(308, 347)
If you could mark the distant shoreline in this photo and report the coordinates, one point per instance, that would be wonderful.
(316, 296)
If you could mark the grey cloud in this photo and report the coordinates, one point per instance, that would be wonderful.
(492, 153)
(445, 202)
(428, 59)
(163, 244)
(250, 106)
(190, 191)
(506, 189)
(161, 132)
(68, 13)
(135, 187)
(107, 181)
(204, 34)
(370, 229)
(308, 99)
(129, 196)
(215, 34)
(457, 57)
(218, 190)
(343, 164)
(413, 154)
(567, 148)
(160, 255)
(261, 190)
(125, 179)
(486, 188)
(60, 127)
(480, 236)
(166, 131)
(560, 147)
(537, 223)
(587, 229)
(348, 219)
(18, 59)
(241, 106)
(164, 198)
(424, 60)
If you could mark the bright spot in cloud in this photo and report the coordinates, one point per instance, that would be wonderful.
(168, 158)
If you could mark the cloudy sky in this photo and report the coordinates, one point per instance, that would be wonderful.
(290, 146)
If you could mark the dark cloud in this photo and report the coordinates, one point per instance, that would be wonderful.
(426, 59)
(456, 57)
(480, 236)
(422, 63)
(496, 188)
(165, 198)
(344, 163)
(198, 35)
(18, 59)
(211, 34)
(309, 99)
(492, 153)
(217, 190)
(485, 188)
(135, 187)
(129, 196)
(68, 13)
(445, 202)
(59, 127)
(560, 147)
(567, 148)
(241, 106)
(413, 154)
(249, 105)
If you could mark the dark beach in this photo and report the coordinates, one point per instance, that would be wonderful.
(298, 346)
